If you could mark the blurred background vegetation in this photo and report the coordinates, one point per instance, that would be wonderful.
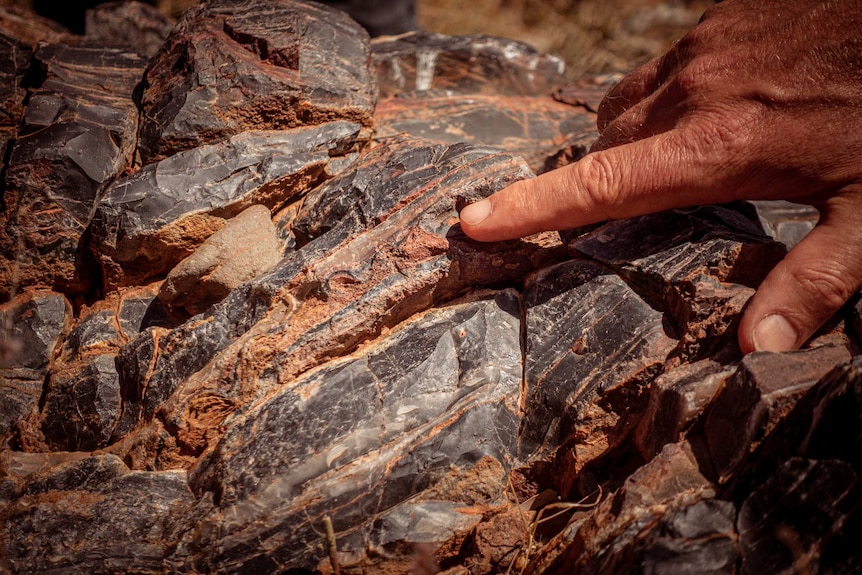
(595, 36)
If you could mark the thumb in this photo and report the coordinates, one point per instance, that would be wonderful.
(805, 289)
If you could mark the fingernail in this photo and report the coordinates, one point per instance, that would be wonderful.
(774, 333)
(475, 214)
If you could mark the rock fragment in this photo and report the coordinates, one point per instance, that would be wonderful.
(608, 343)
(243, 249)
(761, 392)
(436, 395)
(148, 222)
(419, 61)
(76, 136)
(229, 67)
(535, 128)
(135, 25)
(81, 401)
(33, 325)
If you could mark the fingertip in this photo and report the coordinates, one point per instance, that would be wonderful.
(773, 333)
(475, 214)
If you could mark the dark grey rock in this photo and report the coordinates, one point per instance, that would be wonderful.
(608, 343)
(77, 134)
(342, 288)
(763, 390)
(698, 264)
(80, 403)
(32, 325)
(783, 524)
(786, 222)
(437, 394)
(61, 527)
(677, 398)
(419, 61)
(232, 66)
(536, 128)
(135, 25)
(148, 222)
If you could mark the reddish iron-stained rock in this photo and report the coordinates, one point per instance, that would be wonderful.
(608, 344)
(419, 61)
(31, 328)
(342, 288)
(135, 25)
(663, 493)
(435, 396)
(761, 392)
(535, 128)
(148, 222)
(231, 66)
(30, 28)
(676, 399)
(16, 56)
(77, 134)
(80, 405)
(115, 520)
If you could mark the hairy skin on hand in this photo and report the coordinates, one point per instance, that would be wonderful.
(762, 100)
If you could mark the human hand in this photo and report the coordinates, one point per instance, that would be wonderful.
(761, 100)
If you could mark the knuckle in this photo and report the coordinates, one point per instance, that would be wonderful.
(595, 178)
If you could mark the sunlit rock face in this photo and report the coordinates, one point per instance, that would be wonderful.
(243, 332)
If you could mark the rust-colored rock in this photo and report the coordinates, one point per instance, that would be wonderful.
(77, 134)
(232, 66)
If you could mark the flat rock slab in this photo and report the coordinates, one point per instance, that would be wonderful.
(230, 67)
(76, 136)
(536, 128)
(436, 395)
(390, 257)
(33, 325)
(148, 222)
(418, 61)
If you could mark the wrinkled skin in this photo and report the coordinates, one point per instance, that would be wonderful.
(761, 100)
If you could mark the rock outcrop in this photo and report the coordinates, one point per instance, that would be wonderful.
(243, 332)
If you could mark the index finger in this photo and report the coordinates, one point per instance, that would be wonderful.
(641, 177)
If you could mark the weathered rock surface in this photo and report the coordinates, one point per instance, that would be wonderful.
(760, 393)
(77, 134)
(30, 28)
(80, 403)
(31, 328)
(78, 504)
(243, 249)
(343, 287)
(419, 61)
(148, 222)
(230, 66)
(436, 396)
(535, 406)
(134, 25)
(536, 128)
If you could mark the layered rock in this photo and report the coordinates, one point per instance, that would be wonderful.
(31, 328)
(148, 222)
(229, 67)
(389, 396)
(76, 136)
(419, 61)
